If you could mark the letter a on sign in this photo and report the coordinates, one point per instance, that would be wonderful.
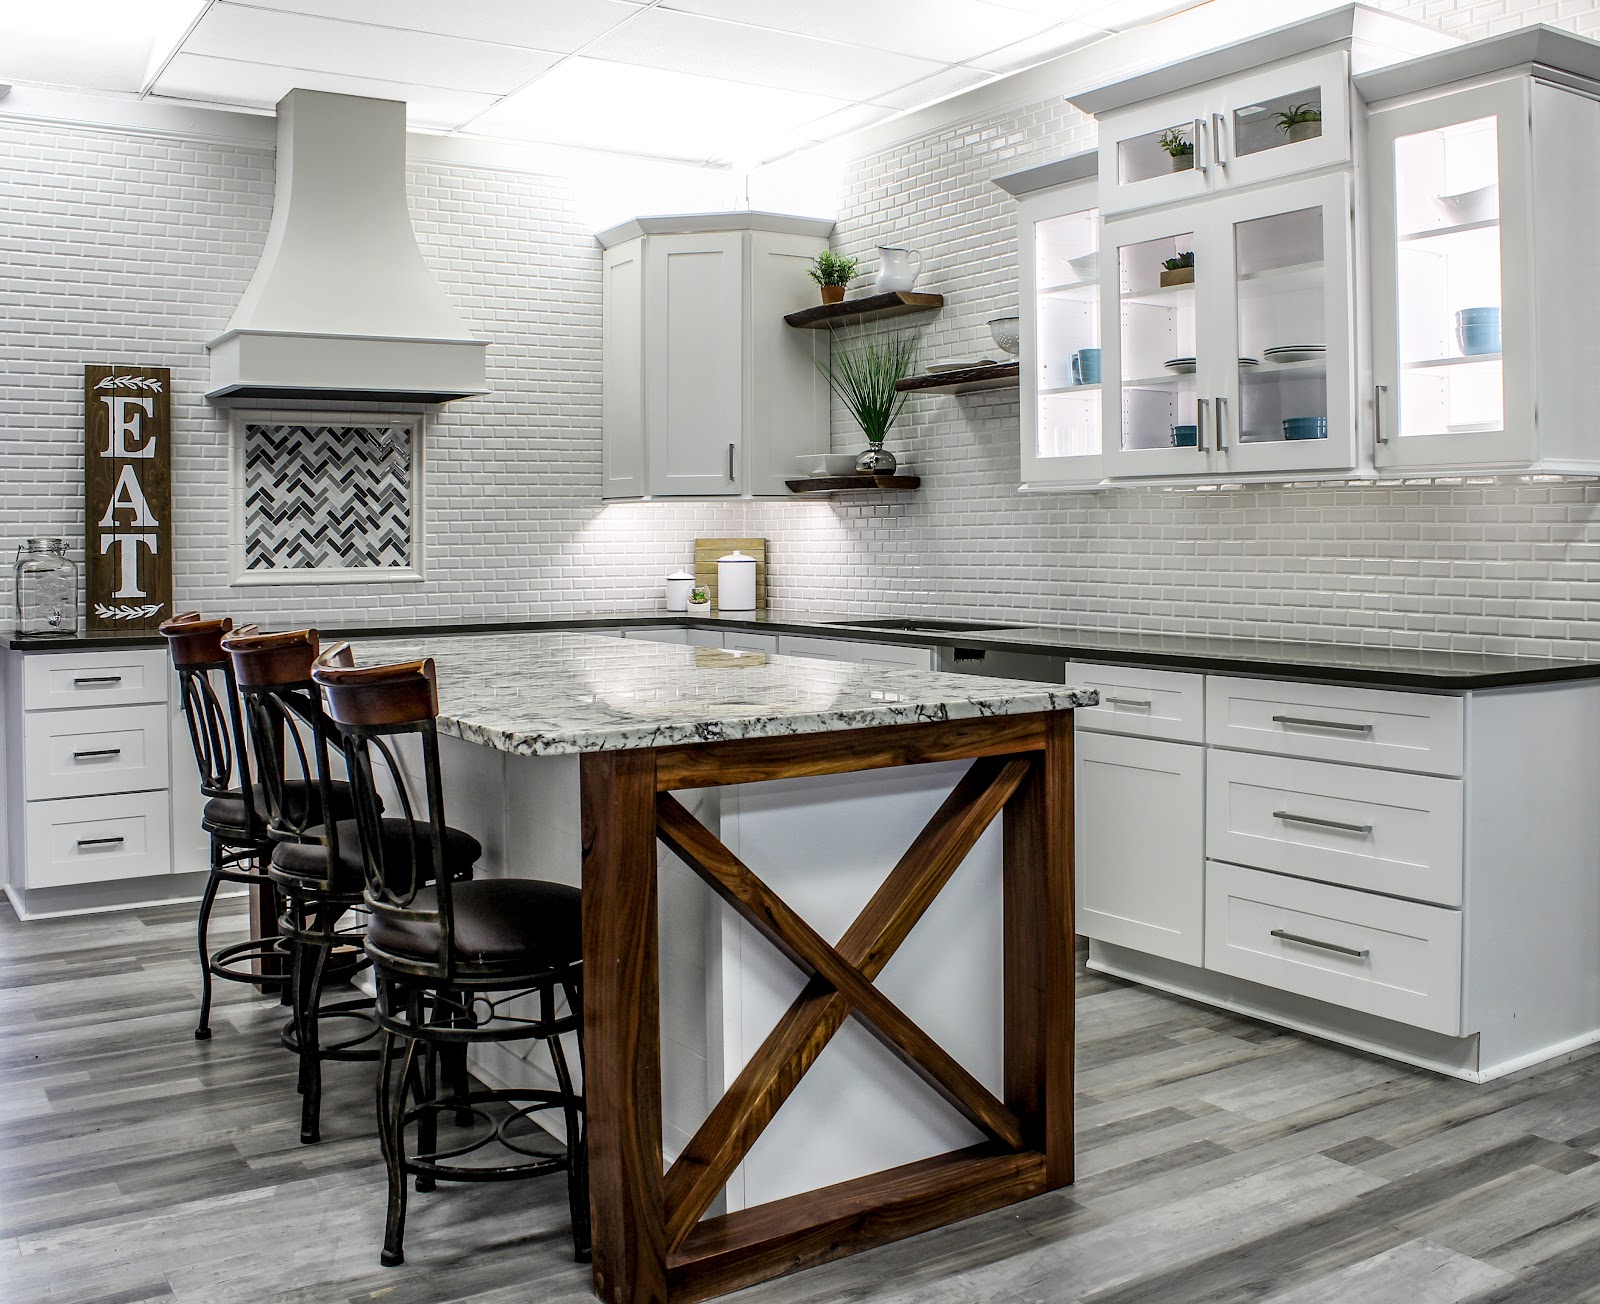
(127, 483)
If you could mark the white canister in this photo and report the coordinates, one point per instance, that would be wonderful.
(736, 582)
(679, 583)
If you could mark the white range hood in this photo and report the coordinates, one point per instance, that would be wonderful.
(342, 306)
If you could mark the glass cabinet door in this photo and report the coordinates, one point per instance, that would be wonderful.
(1154, 350)
(1449, 315)
(1061, 353)
(1288, 398)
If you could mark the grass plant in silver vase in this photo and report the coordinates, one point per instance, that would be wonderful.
(863, 374)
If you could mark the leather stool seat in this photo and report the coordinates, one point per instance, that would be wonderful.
(404, 843)
(302, 803)
(500, 923)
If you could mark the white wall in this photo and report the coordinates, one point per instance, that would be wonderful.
(125, 247)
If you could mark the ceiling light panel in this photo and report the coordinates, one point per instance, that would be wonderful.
(946, 31)
(709, 47)
(558, 25)
(93, 45)
(261, 86)
(596, 104)
(357, 50)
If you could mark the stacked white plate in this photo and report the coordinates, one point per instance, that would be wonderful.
(1295, 352)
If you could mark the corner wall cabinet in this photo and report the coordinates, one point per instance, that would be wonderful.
(1484, 267)
(1394, 870)
(706, 393)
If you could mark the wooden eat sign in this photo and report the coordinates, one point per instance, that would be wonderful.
(127, 486)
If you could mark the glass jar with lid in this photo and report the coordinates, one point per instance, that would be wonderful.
(46, 588)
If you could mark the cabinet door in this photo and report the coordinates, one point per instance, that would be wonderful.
(1154, 378)
(694, 362)
(1140, 806)
(1137, 166)
(1452, 275)
(1286, 400)
(1059, 238)
(788, 401)
(622, 371)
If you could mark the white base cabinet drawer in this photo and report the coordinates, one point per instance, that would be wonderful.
(1140, 848)
(97, 839)
(82, 753)
(1372, 829)
(1395, 959)
(1149, 703)
(1329, 722)
(112, 678)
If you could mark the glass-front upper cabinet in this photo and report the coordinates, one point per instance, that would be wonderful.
(1236, 132)
(1059, 240)
(1453, 280)
(1233, 351)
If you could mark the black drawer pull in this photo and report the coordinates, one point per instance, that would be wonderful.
(100, 842)
(97, 754)
(95, 681)
(1326, 946)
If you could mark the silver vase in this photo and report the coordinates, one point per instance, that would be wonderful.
(877, 460)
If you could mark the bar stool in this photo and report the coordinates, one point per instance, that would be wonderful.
(235, 824)
(456, 963)
(315, 862)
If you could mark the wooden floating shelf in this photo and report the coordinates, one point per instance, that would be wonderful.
(833, 484)
(1002, 375)
(867, 308)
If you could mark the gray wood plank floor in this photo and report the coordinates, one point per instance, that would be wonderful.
(1219, 1160)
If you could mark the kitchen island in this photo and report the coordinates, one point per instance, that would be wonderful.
(758, 775)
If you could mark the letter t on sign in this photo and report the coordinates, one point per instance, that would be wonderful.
(127, 484)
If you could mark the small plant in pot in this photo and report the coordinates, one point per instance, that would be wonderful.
(833, 272)
(700, 601)
(1179, 270)
(1180, 149)
(863, 375)
(1300, 122)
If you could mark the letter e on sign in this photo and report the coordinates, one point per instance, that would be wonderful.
(127, 485)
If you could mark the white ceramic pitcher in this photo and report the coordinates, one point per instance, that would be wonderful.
(895, 271)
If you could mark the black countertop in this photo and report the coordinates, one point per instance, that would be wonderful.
(1331, 662)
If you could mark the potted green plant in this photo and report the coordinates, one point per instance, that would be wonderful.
(1300, 121)
(863, 375)
(1180, 149)
(699, 601)
(1179, 270)
(833, 272)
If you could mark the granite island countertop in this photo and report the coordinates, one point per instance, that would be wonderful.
(551, 694)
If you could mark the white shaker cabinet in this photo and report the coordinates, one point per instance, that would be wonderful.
(1484, 182)
(706, 392)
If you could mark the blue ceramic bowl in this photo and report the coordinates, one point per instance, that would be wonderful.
(1478, 331)
(1185, 436)
(1305, 428)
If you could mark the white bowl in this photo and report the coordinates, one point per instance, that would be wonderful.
(827, 463)
(1471, 205)
(1086, 266)
(1007, 332)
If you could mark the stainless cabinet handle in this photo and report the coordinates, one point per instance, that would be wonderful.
(1219, 127)
(101, 842)
(85, 681)
(1202, 411)
(1127, 701)
(1222, 410)
(1326, 946)
(1292, 818)
(730, 461)
(1322, 724)
(1378, 391)
(1199, 146)
(97, 754)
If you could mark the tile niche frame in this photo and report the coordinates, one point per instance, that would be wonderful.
(240, 573)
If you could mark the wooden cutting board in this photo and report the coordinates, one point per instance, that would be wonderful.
(706, 552)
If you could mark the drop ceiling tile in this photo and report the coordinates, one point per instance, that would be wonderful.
(1036, 49)
(94, 45)
(1122, 15)
(596, 104)
(946, 31)
(256, 85)
(558, 25)
(942, 85)
(710, 47)
(232, 31)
